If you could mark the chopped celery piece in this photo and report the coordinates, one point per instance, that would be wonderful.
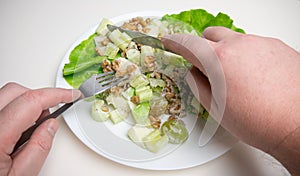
(102, 29)
(100, 40)
(206, 115)
(175, 130)
(158, 106)
(155, 141)
(147, 51)
(131, 105)
(137, 133)
(157, 28)
(120, 39)
(101, 50)
(111, 50)
(173, 59)
(118, 102)
(147, 55)
(157, 82)
(145, 94)
(100, 111)
(169, 70)
(116, 116)
(134, 56)
(157, 91)
(140, 89)
(127, 68)
(197, 106)
(128, 93)
(141, 113)
(139, 80)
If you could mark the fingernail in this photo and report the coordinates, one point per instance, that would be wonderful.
(52, 126)
(76, 94)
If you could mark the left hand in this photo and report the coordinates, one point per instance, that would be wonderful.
(20, 107)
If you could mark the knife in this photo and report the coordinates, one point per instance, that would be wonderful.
(139, 37)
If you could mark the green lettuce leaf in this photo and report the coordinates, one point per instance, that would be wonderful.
(224, 20)
(84, 51)
(75, 67)
(84, 62)
(200, 19)
(76, 79)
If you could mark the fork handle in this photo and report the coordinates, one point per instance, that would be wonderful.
(27, 134)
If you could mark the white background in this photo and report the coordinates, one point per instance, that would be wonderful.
(35, 34)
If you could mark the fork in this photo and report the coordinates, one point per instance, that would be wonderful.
(94, 85)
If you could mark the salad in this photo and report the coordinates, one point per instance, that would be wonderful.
(155, 98)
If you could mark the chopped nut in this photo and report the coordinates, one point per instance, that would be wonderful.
(155, 122)
(135, 99)
(121, 73)
(172, 118)
(137, 24)
(156, 125)
(175, 109)
(104, 108)
(148, 20)
(116, 90)
(105, 42)
(169, 95)
(106, 66)
(131, 68)
(108, 69)
(143, 23)
(99, 52)
(149, 59)
(129, 26)
(115, 65)
(146, 30)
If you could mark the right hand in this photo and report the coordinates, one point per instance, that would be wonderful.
(262, 80)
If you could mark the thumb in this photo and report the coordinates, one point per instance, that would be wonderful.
(30, 159)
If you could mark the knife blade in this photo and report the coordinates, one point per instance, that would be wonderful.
(139, 37)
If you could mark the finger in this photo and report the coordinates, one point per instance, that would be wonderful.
(200, 87)
(9, 92)
(200, 52)
(217, 33)
(31, 158)
(20, 114)
(196, 50)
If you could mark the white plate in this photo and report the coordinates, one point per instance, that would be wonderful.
(111, 142)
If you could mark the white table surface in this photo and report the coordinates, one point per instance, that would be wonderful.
(35, 34)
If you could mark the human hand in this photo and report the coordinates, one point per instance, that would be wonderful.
(256, 80)
(20, 107)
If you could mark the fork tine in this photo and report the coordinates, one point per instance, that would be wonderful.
(104, 74)
(108, 81)
(105, 78)
(114, 83)
(100, 87)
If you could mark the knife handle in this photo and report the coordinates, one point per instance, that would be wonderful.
(27, 134)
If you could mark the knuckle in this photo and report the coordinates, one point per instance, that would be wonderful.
(31, 95)
(34, 98)
(44, 145)
(223, 52)
(41, 145)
